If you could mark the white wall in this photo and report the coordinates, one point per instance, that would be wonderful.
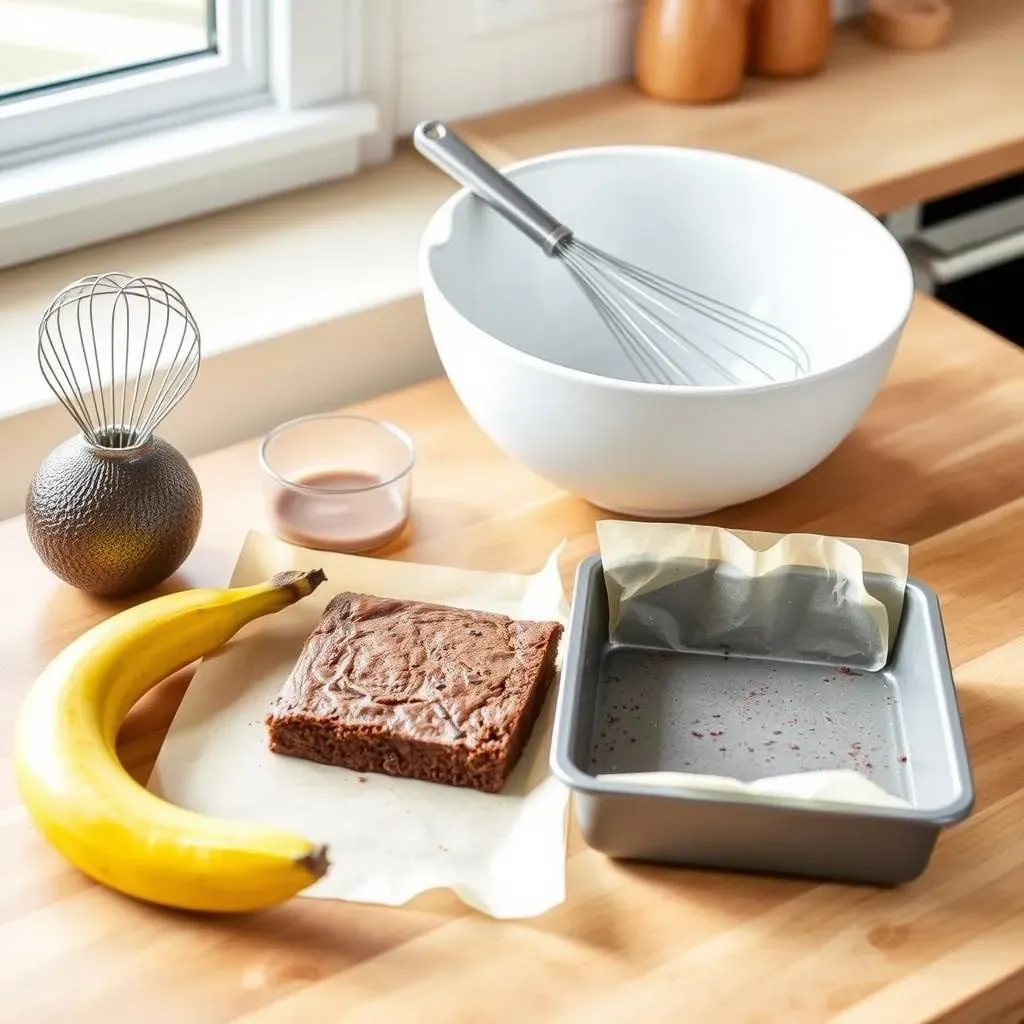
(456, 60)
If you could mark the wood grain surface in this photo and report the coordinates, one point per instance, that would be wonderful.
(888, 128)
(938, 462)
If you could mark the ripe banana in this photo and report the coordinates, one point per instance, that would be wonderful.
(102, 820)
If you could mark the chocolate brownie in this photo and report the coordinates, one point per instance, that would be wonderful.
(421, 691)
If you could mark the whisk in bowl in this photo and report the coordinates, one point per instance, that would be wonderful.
(119, 352)
(670, 334)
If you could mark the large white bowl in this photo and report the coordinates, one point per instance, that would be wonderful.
(538, 371)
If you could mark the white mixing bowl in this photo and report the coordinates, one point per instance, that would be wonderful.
(539, 372)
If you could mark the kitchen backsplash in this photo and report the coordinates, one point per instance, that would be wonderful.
(461, 58)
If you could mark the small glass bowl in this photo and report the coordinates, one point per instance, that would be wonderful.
(337, 482)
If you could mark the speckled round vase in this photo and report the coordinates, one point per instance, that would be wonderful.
(113, 521)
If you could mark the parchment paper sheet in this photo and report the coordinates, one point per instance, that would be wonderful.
(839, 786)
(854, 623)
(793, 597)
(389, 839)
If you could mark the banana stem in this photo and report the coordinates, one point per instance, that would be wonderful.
(304, 583)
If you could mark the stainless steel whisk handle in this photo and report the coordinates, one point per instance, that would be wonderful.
(443, 148)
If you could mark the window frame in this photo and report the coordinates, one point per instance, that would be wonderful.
(55, 119)
(283, 106)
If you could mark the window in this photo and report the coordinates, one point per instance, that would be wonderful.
(61, 65)
(116, 115)
(45, 44)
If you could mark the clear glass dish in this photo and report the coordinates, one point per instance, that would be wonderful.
(337, 482)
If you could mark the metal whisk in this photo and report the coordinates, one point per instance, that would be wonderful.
(119, 352)
(652, 318)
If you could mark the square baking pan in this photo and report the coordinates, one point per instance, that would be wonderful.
(629, 709)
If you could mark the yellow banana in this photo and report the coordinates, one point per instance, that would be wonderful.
(102, 820)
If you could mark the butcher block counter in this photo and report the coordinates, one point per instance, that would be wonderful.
(938, 462)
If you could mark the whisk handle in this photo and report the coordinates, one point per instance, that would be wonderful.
(442, 147)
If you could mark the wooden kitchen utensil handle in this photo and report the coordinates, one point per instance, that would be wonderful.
(908, 24)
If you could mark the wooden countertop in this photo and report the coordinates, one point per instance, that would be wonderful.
(936, 462)
(888, 128)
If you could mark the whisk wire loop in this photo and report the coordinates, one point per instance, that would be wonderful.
(640, 313)
(119, 352)
(645, 358)
(768, 335)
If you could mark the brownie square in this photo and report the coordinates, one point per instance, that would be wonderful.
(415, 690)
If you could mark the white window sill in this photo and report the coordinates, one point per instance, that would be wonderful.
(70, 200)
(305, 301)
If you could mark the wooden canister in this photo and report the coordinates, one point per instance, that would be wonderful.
(909, 24)
(691, 51)
(789, 38)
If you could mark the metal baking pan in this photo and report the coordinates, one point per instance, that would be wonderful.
(633, 709)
